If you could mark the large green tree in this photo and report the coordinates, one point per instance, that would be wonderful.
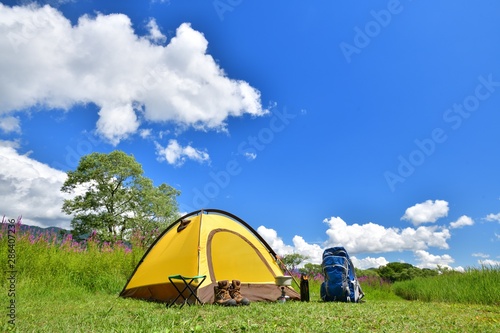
(113, 198)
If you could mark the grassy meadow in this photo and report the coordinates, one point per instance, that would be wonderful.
(59, 285)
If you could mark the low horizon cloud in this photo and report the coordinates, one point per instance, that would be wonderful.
(368, 238)
(27, 189)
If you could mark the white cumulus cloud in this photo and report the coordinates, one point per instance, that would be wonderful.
(48, 62)
(489, 262)
(368, 262)
(31, 189)
(313, 252)
(176, 155)
(366, 238)
(425, 212)
(462, 221)
(493, 217)
(10, 124)
(155, 35)
(427, 260)
(275, 242)
(374, 238)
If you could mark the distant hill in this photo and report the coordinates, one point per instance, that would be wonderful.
(34, 230)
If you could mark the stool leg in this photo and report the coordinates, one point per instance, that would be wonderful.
(188, 285)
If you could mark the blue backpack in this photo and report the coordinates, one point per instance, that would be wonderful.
(340, 283)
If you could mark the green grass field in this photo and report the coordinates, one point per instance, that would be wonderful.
(62, 286)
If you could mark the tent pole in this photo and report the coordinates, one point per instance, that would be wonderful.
(288, 271)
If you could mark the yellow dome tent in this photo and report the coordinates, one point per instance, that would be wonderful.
(207, 242)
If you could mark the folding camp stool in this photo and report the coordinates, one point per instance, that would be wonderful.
(191, 283)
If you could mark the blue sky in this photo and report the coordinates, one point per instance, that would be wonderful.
(371, 125)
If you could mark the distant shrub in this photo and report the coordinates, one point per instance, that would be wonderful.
(474, 286)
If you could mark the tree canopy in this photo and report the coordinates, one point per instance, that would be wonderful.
(398, 271)
(113, 199)
(291, 261)
(310, 269)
